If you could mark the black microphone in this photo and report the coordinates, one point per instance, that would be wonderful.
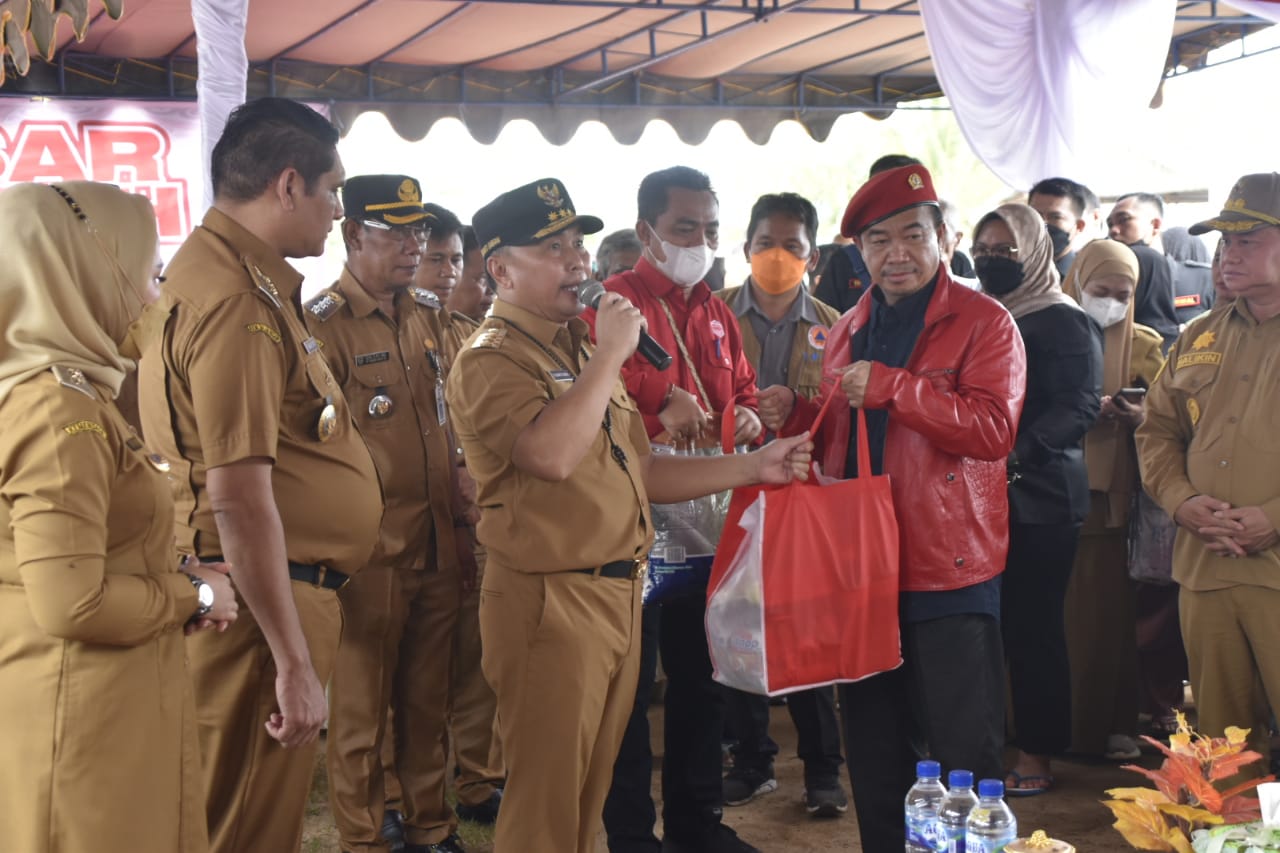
(589, 293)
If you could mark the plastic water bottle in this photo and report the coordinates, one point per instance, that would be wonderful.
(955, 809)
(990, 825)
(924, 800)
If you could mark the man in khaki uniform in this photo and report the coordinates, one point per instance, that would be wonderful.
(383, 340)
(564, 475)
(784, 332)
(1210, 455)
(271, 474)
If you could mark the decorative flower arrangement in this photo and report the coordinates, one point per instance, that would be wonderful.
(1187, 796)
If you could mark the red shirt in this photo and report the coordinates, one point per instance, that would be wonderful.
(711, 334)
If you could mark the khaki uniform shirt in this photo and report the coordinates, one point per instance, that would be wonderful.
(804, 368)
(498, 385)
(1213, 428)
(392, 373)
(236, 376)
(458, 328)
(94, 688)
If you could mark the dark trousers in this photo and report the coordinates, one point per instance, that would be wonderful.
(946, 701)
(818, 744)
(692, 790)
(1032, 597)
(629, 815)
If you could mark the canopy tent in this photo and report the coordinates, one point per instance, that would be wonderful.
(556, 63)
(1028, 80)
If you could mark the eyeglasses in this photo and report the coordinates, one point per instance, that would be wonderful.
(1004, 250)
(401, 233)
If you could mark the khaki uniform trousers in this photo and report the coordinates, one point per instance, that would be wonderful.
(255, 790)
(396, 646)
(1232, 637)
(562, 652)
(473, 707)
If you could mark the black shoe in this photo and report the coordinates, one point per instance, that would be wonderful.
(721, 839)
(826, 800)
(485, 813)
(452, 844)
(744, 784)
(393, 830)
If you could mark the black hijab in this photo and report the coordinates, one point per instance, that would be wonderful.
(1153, 297)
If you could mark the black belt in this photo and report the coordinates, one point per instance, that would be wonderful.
(312, 573)
(630, 569)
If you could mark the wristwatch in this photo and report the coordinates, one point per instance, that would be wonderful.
(204, 594)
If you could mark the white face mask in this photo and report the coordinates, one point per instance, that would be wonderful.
(685, 265)
(1105, 310)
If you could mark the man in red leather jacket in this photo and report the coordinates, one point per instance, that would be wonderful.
(941, 372)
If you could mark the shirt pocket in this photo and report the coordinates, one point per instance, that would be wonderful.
(1191, 388)
(379, 395)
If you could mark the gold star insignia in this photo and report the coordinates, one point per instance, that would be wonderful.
(1204, 341)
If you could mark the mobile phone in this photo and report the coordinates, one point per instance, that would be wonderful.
(1132, 395)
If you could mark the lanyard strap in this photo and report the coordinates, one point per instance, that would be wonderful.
(684, 353)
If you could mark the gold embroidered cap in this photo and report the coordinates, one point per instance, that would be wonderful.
(1254, 203)
(528, 214)
(393, 199)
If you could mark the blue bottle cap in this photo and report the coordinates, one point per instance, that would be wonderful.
(928, 770)
(960, 779)
(991, 788)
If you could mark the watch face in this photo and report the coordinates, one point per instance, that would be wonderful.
(205, 595)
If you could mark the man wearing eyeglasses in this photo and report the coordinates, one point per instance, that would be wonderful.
(941, 372)
(384, 342)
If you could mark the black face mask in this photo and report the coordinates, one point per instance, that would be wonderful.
(998, 275)
(1060, 239)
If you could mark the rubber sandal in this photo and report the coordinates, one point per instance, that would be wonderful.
(1017, 789)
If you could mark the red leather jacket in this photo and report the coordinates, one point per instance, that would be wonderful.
(953, 417)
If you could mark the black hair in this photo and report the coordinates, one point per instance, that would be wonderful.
(651, 200)
(1077, 193)
(264, 137)
(470, 242)
(1146, 198)
(892, 161)
(788, 204)
(445, 224)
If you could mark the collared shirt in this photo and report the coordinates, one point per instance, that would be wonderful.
(776, 339)
(516, 364)
(710, 333)
(235, 376)
(1213, 428)
(890, 338)
(391, 369)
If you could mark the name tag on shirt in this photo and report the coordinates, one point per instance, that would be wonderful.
(561, 375)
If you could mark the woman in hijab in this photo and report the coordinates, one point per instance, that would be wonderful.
(1101, 599)
(1048, 485)
(98, 753)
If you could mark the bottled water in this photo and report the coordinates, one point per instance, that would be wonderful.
(924, 832)
(990, 825)
(955, 810)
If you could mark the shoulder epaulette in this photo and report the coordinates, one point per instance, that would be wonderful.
(266, 287)
(74, 378)
(325, 304)
(490, 338)
(425, 297)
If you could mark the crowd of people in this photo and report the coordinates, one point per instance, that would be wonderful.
(416, 509)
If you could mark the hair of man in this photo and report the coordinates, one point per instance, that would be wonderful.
(445, 224)
(1064, 188)
(652, 197)
(264, 137)
(1149, 199)
(789, 204)
(891, 161)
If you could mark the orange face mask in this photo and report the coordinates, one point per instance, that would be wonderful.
(776, 270)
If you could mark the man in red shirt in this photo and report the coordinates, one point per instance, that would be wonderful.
(709, 378)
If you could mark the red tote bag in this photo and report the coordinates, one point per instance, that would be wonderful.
(804, 587)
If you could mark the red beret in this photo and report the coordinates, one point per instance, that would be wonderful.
(886, 194)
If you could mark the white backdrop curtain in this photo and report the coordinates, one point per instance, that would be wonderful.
(1038, 87)
(224, 71)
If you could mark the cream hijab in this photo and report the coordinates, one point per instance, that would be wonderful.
(73, 280)
(1039, 288)
(1108, 451)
